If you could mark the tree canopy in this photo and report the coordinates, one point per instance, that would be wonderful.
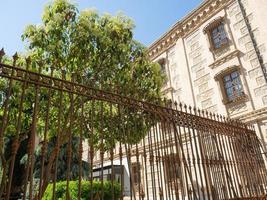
(98, 49)
(92, 49)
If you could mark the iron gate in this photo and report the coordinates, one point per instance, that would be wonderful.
(141, 150)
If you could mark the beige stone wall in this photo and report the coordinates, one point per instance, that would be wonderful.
(192, 66)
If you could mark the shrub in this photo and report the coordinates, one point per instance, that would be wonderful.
(86, 190)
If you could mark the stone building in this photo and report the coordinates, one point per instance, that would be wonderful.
(215, 58)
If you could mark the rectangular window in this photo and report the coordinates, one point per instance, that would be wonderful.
(233, 86)
(218, 36)
(136, 173)
(172, 168)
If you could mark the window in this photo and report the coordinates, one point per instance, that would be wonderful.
(172, 168)
(162, 63)
(218, 36)
(233, 86)
(136, 173)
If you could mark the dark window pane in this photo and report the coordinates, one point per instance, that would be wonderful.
(228, 84)
(227, 78)
(233, 86)
(234, 74)
(218, 35)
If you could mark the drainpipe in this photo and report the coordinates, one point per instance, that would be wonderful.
(252, 37)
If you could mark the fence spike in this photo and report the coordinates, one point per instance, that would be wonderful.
(181, 106)
(203, 113)
(176, 105)
(214, 116)
(52, 68)
(218, 117)
(211, 115)
(28, 61)
(2, 53)
(207, 114)
(15, 58)
(40, 63)
(63, 72)
(185, 108)
(199, 111)
(190, 109)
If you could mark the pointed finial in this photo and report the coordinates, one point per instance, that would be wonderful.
(190, 109)
(28, 62)
(199, 111)
(181, 106)
(214, 116)
(63, 71)
(2, 53)
(52, 68)
(170, 103)
(218, 117)
(176, 105)
(207, 114)
(15, 58)
(40, 63)
(185, 108)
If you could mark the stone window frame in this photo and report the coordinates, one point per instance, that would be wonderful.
(219, 78)
(136, 173)
(163, 62)
(172, 175)
(208, 29)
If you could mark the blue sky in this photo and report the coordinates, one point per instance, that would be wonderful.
(152, 17)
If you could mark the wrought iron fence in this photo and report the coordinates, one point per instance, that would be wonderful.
(159, 150)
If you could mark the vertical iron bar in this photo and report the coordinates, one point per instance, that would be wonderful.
(81, 147)
(31, 143)
(102, 148)
(59, 132)
(44, 147)
(160, 160)
(15, 144)
(91, 144)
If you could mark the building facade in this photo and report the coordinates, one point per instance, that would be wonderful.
(215, 59)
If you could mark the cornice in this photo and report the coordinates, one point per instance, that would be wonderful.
(253, 116)
(224, 59)
(187, 25)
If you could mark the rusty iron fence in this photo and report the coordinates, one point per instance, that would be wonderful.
(159, 150)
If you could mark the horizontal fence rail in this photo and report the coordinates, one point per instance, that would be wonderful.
(60, 138)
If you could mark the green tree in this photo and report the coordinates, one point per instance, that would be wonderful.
(101, 52)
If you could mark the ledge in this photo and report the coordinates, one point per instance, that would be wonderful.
(224, 59)
(253, 116)
(241, 99)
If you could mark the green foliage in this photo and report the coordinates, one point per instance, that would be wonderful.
(62, 160)
(86, 190)
(101, 52)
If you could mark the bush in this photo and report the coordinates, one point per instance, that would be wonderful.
(85, 190)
